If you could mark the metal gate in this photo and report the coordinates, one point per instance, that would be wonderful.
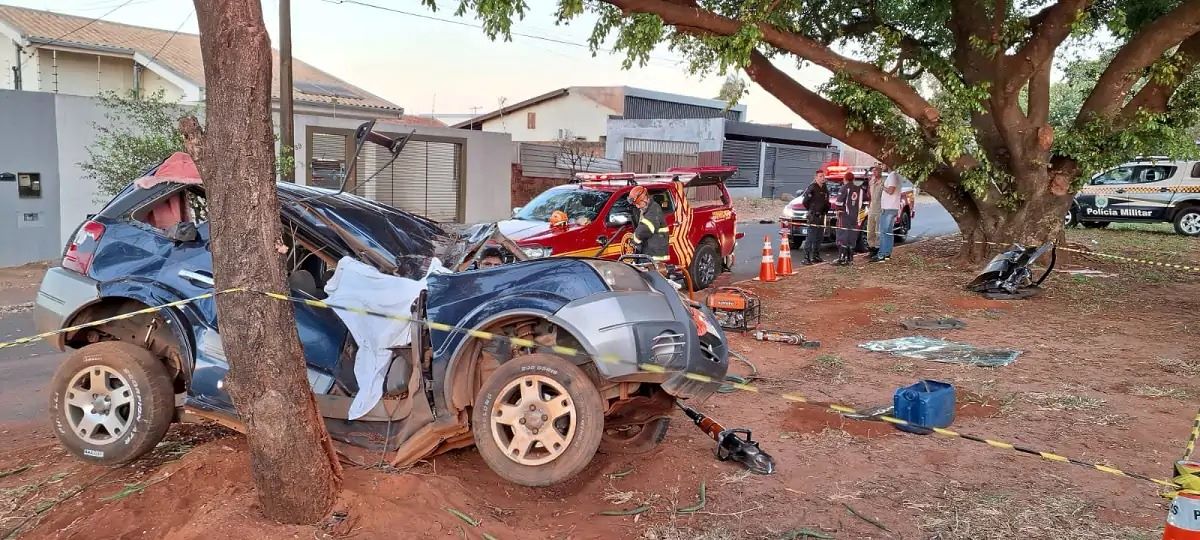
(745, 156)
(790, 169)
(650, 155)
(425, 179)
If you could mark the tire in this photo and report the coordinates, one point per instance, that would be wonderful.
(706, 265)
(503, 400)
(1072, 218)
(638, 440)
(1095, 224)
(901, 228)
(132, 377)
(1187, 221)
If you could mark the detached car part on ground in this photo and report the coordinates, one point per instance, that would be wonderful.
(537, 418)
(600, 218)
(794, 218)
(1151, 190)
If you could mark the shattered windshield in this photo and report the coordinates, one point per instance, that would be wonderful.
(577, 203)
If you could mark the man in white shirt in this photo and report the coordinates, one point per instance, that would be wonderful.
(889, 204)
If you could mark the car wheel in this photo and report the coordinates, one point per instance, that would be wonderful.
(1187, 221)
(538, 420)
(111, 402)
(1071, 219)
(903, 225)
(1095, 224)
(706, 264)
(635, 439)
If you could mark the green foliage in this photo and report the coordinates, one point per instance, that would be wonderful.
(138, 133)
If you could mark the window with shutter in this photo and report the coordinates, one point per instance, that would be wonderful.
(531, 120)
(327, 160)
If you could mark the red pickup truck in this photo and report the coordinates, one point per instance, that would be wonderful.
(601, 219)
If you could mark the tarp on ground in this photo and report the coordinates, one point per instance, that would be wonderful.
(940, 350)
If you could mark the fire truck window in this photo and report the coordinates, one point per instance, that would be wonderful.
(702, 196)
(663, 199)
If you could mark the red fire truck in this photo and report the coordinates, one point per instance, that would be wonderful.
(600, 218)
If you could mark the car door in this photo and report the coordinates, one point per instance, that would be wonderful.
(1138, 192)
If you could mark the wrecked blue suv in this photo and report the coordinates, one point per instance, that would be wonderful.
(536, 417)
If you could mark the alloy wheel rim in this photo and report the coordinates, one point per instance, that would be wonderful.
(99, 405)
(533, 420)
(1190, 223)
(706, 266)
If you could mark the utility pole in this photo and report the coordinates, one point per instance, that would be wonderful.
(287, 127)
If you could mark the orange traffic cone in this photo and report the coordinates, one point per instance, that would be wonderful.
(766, 272)
(1183, 519)
(784, 265)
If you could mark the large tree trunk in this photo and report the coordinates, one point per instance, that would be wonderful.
(292, 461)
(988, 229)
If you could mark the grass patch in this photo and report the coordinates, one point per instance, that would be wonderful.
(889, 308)
(1159, 392)
(1061, 401)
(1180, 366)
(963, 514)
(1157, 242)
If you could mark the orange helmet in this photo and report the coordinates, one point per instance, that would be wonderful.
(638, 196)
(558, 218)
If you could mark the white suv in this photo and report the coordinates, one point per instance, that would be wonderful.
(1149, 190)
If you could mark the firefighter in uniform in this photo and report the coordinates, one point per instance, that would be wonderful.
(650, 237)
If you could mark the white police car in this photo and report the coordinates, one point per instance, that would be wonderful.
(1149, 190)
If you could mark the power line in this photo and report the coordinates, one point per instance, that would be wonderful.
(477, 26)
(173, 34)
(81, 27)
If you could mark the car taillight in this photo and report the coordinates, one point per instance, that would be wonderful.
(83, 247)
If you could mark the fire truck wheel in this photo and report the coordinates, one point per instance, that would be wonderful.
(706, 264)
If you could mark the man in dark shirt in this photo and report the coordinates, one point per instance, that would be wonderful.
(650, 237)
(851, 199)
(816, 203)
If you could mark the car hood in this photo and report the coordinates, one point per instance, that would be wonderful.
(525, 232)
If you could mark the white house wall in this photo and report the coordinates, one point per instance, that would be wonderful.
(580, 115)
(74, 117)
(8, 59)
(29, 226)
(152, 82)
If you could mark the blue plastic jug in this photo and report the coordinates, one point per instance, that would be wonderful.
(928, 403)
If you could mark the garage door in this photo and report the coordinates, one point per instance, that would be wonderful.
(425, 179)
(791, 169)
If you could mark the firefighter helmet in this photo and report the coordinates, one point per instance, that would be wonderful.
(638, 196)
(558, 218)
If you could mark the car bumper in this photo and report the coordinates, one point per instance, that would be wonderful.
(794, 227)
(649, 338)
(62, 294)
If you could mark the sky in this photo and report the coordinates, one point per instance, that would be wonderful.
(428, 66)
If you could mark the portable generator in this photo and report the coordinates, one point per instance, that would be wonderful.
(735, 309)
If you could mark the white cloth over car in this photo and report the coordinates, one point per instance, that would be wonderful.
(356, 284)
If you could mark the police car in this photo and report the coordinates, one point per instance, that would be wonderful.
(1149, 190)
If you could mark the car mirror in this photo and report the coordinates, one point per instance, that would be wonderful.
(517, 210)
(184, 231)
(619, 220)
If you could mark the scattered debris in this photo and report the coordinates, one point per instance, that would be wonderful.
(1087, 272)
(16, 308)
(630, 512)
(700, 502)
(16, 471)
(872, 413)
(940, 350)
(464, 517)
(621, 474)
(929, 323)
(1008, 277)
(802, 534)
(128, 490)
(780, 336)
(866, 518)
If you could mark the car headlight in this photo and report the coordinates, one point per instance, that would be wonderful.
(537, 252)
(788, 213)
(619, 276)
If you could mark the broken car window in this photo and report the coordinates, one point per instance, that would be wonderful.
(577, 203)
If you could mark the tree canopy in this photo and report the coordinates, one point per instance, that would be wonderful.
(954, 93)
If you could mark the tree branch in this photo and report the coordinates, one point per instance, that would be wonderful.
(1039, 95)
(897, 90)
(828, 117)
(1155, 96)
(1146, 47)
(1049, 28)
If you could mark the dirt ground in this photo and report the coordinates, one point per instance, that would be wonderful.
(1108, 373)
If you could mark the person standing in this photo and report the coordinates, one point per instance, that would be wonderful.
(816, 203)
(650, 237)
(876, 185)
(850, 199)
(890, 208)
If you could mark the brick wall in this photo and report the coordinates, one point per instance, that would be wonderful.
(525, 188)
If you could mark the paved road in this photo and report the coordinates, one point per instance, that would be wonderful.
(25, 370)
(931, 220)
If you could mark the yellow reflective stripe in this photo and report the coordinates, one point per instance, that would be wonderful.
(665, 229)
(661, 257)
(648, 224)
(998, 444)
